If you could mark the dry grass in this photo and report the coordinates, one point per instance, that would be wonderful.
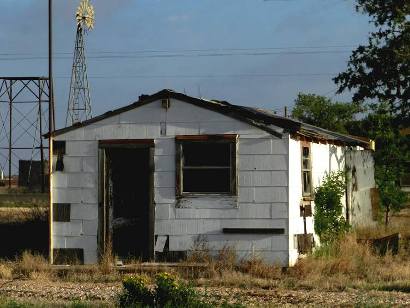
(345, 264)
(31, 266)
(6, 272)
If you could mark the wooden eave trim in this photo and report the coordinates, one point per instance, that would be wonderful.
(221, 137)
(111, 142)
(301, 137)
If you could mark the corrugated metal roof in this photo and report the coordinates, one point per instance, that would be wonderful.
(261, 118)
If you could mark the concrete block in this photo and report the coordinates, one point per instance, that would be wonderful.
(165, 146)
(164, 163)
(72, 164)
(271, 194)
(82, 180)
(90, 164)
(72, 228)
(84, 211)
(90, 227)
(245, 178)
(89, 195)
(66, 195)
(81, 148)
(269, 178)
(279, 242)
(59, 180)
(252, 210)
(86, 242)
(59, 241)
(253, 223)
(246, 194)
(164, 195)
(162, 211)
(262, 162)
(280, 210)
(164, 179)
(185, 227)
(201, 213)
(181, 242)
(255, 146)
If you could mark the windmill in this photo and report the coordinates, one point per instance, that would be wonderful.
(79, 101)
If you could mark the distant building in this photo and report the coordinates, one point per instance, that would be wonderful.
(152, 179)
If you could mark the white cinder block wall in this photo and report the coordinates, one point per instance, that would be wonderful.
(262, 164)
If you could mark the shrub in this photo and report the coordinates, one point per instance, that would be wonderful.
(171, 292)
(328, 220)
(136, 292)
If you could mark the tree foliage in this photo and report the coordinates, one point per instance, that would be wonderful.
(381, 69)
(321, 111)
(329, 222)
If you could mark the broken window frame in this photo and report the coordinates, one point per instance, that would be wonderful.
(189, 139)
(306, 191)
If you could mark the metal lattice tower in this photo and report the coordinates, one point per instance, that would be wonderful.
(79, 101)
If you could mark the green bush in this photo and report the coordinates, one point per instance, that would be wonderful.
(169, 291)
(136, 293)
(329, 222)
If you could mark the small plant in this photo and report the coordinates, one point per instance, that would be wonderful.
(136, 292)
(171, 292)
(328, 220)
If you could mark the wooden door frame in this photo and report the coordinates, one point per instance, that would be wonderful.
(103, 145)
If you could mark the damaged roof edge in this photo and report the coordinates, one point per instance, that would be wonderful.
(259, 118)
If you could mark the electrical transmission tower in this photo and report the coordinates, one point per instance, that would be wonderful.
(79, 101)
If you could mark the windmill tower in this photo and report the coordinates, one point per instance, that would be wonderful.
(79, 101)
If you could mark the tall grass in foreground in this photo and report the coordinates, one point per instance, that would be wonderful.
(342, 264)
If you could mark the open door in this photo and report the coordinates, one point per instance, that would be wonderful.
(128, 213)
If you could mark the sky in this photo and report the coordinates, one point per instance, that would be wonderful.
(248, 52)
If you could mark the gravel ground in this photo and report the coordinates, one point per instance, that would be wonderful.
(66, 292)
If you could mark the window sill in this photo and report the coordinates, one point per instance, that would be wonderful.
(207, 201)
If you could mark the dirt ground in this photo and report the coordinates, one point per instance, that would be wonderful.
(104, 294)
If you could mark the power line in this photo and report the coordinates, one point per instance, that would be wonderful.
(216, 54)
(10, 53)
(211, 76)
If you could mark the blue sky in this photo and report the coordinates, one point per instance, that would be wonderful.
(248, 52)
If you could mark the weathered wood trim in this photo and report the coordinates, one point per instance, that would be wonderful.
(123, 143)
(101, 232)
(222, 138)
(225, 137)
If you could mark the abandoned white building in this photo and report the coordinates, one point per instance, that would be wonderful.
(150, 179)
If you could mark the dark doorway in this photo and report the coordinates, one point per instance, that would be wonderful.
(128, 201)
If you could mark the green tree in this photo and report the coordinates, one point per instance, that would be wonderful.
(329, 222)
(321, 111)
(381, 69)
